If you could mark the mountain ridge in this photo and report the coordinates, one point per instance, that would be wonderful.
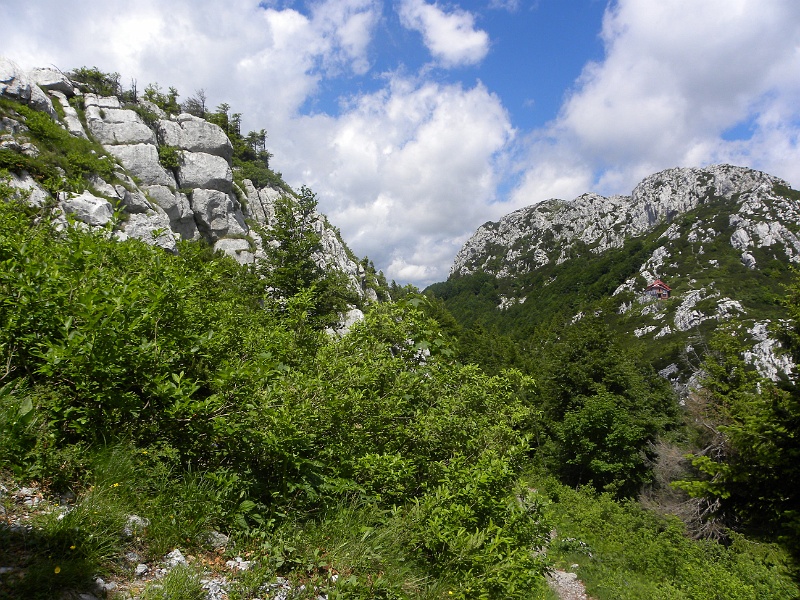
(605, 222)
(723, 237)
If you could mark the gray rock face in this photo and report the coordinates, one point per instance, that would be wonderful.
(71, 119)
(176, 205)
(141, 161)
(537, 235)
(29, 189)
(112, 125)
(201, 170)
(238, 248)
(194, 134)
(89, 209)
(17, 85)
(52, 80)
(152, 229)
(216, 214)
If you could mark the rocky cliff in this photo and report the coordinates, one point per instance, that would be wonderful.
(194, 197)
(722, 237)
(534, 236)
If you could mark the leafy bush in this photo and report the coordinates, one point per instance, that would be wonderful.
(169, 157)
(625, 552)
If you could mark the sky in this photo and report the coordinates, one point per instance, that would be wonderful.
(415, 122)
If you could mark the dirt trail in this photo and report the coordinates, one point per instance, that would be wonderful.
(567, 586)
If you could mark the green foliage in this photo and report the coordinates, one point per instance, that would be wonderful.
(603, 408)
(169, 157)
(625, 553)
(59, 152)
(181, 582)
(167, 102)
(250, 154)
(292, 249)
(751, 464)
(470, 526)
(148, 116)
(96, 81)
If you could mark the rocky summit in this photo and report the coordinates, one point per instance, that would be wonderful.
(534, 236)
(721, 239)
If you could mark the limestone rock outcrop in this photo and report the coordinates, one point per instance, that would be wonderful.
(193, 199)
(194, 134)
(699, 223)
(17, 85)
(531, 237)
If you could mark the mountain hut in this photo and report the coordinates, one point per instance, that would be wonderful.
(658, 289)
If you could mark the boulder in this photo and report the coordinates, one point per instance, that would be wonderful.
(117, 126)
(194, 134)
(101, 101)
(71, 119)
(350, 318)
(176, 206)
(216, 214)
(110, 124)
(28, 189)
(141, 160)
(261, 203)
(201, 170)
(88, 208)
(130, 197)
(237, 248)
(152, 229)
(52, 80)
(15, 84)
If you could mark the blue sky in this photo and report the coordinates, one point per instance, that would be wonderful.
(417, 121)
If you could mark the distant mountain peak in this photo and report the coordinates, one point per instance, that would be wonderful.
(531, 237)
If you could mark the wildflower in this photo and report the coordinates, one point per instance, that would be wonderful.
(115, 485)
(57, 570)
(72, 547)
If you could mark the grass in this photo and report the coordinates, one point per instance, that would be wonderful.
(627, 553)
(181, 582)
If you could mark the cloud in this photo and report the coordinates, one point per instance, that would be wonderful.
(262, 61)
(450, 37)
(406, 171)
(676, 76)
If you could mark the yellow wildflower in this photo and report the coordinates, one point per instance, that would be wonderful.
(57, 570)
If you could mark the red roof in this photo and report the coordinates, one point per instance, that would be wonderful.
(659, 283)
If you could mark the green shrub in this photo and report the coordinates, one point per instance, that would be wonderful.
(169, 157)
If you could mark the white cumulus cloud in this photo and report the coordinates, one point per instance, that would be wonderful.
(676, 76)
(406, 171)
(451, 37)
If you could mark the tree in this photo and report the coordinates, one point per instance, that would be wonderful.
(196, 105)
(293, 249)
(96, 81)
(604, 408)
(167, 102)
(750, 464)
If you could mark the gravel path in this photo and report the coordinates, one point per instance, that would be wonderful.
(567, 586)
